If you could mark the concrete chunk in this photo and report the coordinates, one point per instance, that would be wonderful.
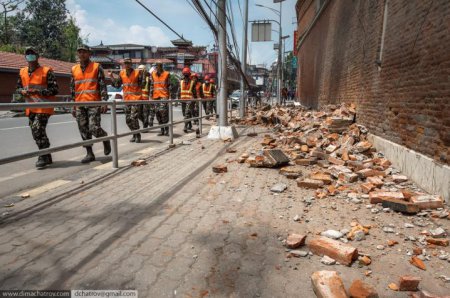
(328, 284)
(343, 253)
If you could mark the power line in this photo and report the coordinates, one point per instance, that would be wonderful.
(165, 24)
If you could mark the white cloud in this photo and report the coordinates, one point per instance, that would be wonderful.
(110, 32)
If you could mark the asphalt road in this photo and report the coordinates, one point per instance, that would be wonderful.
(15, 138)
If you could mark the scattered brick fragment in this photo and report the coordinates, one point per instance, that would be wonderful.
(328, 284)
(220, 169)
(343, 253)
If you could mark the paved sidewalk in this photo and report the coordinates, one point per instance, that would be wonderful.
(172, 228)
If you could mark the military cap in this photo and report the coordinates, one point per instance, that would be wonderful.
(127, 60)
(83, 47)
(31, 49)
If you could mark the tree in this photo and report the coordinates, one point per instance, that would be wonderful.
(7, 6)
(43, 26)
(71, 40)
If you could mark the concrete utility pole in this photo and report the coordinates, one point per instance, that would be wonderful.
(280, 60)
(222, 98)
(244, 60)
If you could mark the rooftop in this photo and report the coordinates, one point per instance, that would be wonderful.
(12, 62)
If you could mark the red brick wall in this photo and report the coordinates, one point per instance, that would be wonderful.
(408, 100)
(8, 82)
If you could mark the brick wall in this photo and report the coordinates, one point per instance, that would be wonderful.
(407, 100)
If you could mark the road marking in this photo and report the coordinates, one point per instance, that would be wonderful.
(17, 127)
(46, 187)
(17, 175)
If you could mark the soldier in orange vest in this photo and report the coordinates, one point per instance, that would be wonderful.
(187, 91)
(88, 84)
(212, 104)
(160, 91)
(144, 110)
(208, 92)
(132, 81)
(199, 95)
(38, 84)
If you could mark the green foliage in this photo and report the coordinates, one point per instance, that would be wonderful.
(43, 24)
(71, 40)
(11, 48)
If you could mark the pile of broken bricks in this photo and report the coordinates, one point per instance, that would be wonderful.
(344, 165)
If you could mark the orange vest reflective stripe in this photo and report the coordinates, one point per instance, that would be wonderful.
(145, 93)
(186, 89)
(207, 90)
(131, 88)
(37, 81)
(160, 85)
(86, 83)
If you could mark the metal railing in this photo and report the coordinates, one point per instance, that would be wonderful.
(114, 135)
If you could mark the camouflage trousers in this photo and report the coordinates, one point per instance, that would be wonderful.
(188, 109)
(132, 116)
(162, 112)
(38, 125)
(145, 114)
(89, 122)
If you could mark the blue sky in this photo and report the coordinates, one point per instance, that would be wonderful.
(124, 21)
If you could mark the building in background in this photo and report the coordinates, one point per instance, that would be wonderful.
(10, 65)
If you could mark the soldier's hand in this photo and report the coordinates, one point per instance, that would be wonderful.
(24, 92)
(104, 109)
(74, 112)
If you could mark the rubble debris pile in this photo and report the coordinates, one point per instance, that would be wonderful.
(328, 152)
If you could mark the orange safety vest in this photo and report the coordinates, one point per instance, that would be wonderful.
(207, 90)
(160, 85)
(38, 81)
(145, 94)
(86, 83)
(198, 87)
(131, 88)
(186, 89)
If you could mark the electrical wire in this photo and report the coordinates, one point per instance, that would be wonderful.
(159, 19)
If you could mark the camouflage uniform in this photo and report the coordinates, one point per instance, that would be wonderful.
(89, 118)
(162, 112)
(132, 112)
(38, 122)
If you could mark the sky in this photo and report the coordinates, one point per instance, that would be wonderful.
(125, 21)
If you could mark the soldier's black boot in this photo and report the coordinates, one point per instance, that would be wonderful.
(197, 133)
(162, 132)
(133, 139)
(138, 138)
(49, 159)
(41, 162)
(190, 125)
(107, 147)
(89, 155)
(166, 131)
(185, 127)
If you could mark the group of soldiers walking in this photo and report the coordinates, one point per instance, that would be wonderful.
(37, 83)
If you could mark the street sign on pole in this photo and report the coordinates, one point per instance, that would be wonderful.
(277, 1)
(276, 46)
(261, 31)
